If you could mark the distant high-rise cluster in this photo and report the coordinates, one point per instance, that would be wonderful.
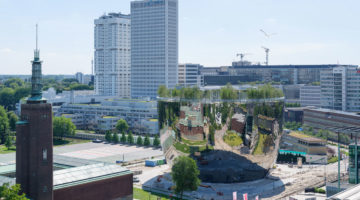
(112, 55)
(135, 55)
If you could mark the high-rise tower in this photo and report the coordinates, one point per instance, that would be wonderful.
(112, 55)
(34, 143)
(154, 46)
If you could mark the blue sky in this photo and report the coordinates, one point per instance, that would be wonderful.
(211, 32)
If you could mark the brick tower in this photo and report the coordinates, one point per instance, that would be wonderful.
(34, 143)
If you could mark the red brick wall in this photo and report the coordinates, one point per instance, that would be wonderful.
(33, 173)
(182, 114)
(237, 126)
(108, 189)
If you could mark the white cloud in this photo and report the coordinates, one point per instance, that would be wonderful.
(6, 50)
(270, 20)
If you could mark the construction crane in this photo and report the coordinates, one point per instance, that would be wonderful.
(266, 34)
(242, 55)
(267, 50)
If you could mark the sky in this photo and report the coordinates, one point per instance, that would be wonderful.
(211, 32)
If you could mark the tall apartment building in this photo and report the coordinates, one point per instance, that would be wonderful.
(79, 77)
(340, 88)
(310, 95)
(112, 55)
(189, 75)
(154, 46)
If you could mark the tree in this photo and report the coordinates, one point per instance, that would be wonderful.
(163, 91)
(8, 142)
(123, 137)
(7, 98)
(185, 174)
(147, 141)
(14, 83)
(12, 120)
(63, 127)
(212, 134)
(130, 138)
(4, 125)
(11, 193)
(108, 137)
(228, 92)
(156, 141)
(122, 126)
(115, 138)
(139, 140)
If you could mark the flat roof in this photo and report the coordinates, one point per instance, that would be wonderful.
(349, 194)
(325, 110)
(88, 173)
(305, 137)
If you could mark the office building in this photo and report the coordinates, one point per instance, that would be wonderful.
(313, 149)
(325, 118)
(340, 88)
(286, 74)
(189, 75)
(310, 95)
(154, 46)
(112, 55)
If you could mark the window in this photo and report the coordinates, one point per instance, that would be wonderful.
(44, 154)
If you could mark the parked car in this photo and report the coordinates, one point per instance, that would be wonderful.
(97, 141)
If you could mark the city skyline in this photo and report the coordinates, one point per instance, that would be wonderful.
(307, 33)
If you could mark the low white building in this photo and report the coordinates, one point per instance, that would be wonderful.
(140, 115)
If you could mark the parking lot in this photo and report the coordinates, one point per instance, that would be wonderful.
(98, 152)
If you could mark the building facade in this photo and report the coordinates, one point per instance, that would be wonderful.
(326, 118)
(112, 55)
(189, 75)
(286, 74)
(141, 116)
(79, 77)
(340, 88)
(154, 46)
(310, 95)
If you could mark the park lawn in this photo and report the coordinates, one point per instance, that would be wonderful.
(232, 139)
(84, 131)
(4, 149)
(144, 195)
(260, 144)
(182, 147)
(69, 141)
(190, 142)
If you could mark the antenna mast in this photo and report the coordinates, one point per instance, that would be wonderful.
(36, 36)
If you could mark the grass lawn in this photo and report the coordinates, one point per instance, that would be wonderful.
(190, 142)
(69, 141)
(260, 144)
(333, 160)
(84, 131)
(4, 149)
(182, 147)
(144, 195)
(232, 139)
